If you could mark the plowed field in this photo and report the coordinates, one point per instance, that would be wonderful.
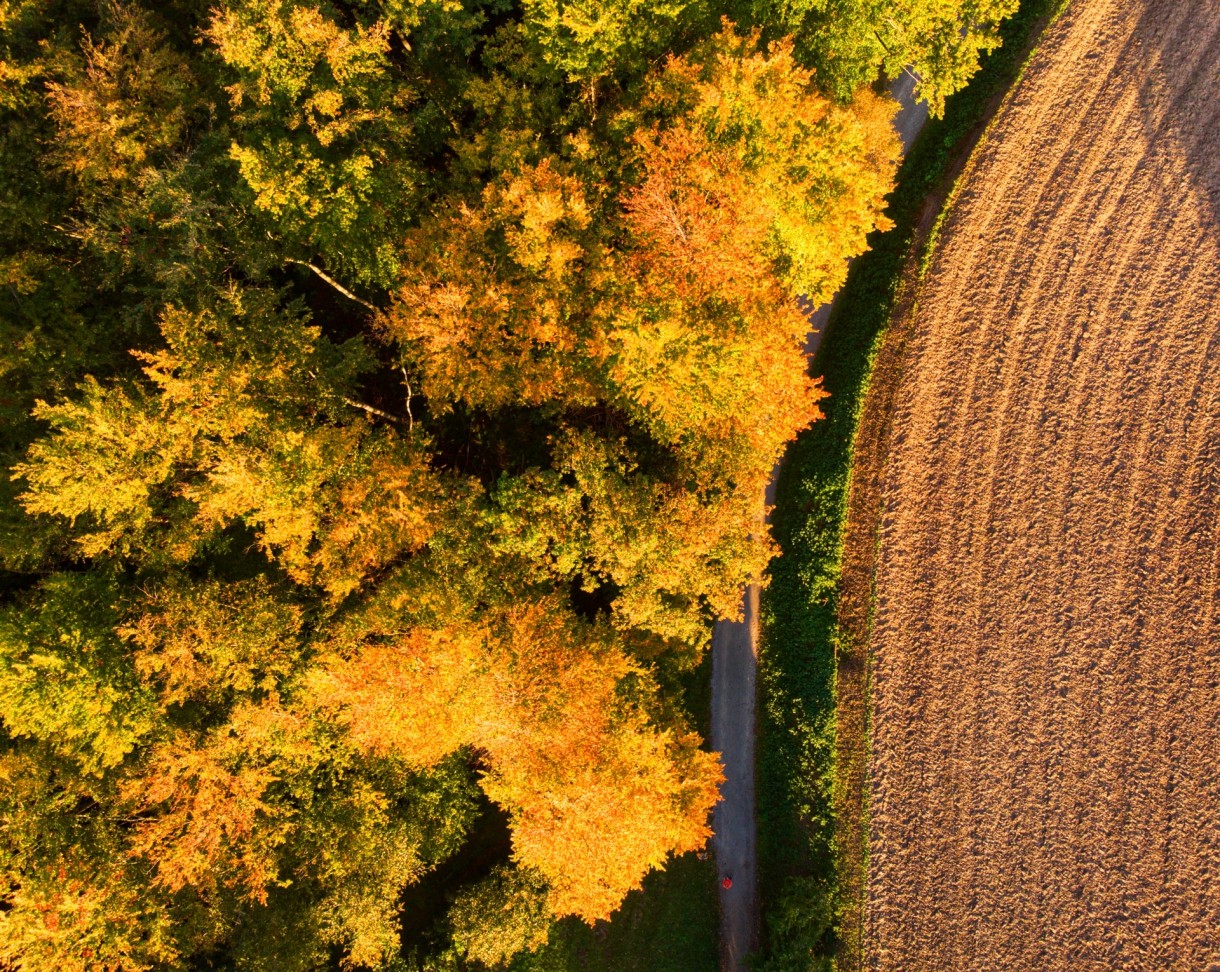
(1045, 775)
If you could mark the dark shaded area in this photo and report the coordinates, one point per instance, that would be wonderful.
(592, 604)
(425, 904)
(487, 444)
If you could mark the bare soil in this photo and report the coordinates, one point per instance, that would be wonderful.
(1045, 773)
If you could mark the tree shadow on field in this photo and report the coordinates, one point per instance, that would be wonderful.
(1179, 46)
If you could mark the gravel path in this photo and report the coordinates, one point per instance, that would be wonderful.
(734, 681)
(1045, 791)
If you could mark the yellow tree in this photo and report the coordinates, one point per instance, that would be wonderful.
(754, 189)
(597, 792)
(288, 574)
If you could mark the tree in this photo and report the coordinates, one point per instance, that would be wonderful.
(501, 916)
(755, 190)
(140, 835)
(597, 795)
(851, 40)
(749, 169)
(124, 108)
(489, 311)
(322, 131)
(387, 394)
(64, 677)
(234, 428)
(589, 39)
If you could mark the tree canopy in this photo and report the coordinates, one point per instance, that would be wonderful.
(387, 393)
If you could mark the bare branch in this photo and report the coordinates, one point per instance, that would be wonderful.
(410, 394)
(373, 411)
(360, 405)
(334, 283)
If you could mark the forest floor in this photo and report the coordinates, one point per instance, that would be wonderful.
(734, 688)
(1045, 650)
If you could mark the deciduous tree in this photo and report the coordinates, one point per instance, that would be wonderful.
(387, 394)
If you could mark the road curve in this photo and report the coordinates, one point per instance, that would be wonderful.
(734, 685)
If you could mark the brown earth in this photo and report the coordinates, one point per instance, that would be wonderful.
(1045, 777)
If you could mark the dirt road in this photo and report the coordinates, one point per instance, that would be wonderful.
(1045, 782)
(734, 681)
(734, 684)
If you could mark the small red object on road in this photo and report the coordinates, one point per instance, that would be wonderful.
(727, 883)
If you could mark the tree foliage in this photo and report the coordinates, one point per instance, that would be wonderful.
(849, 40)
(501, 916)
(387, 393)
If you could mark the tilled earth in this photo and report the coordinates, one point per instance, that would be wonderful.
(1045, 775)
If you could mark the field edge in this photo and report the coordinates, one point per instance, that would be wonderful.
(816, 612)
(863, 511)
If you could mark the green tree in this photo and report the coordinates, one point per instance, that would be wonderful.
(589, 39)
(65, 679)
(849, 41)
(387, 393)
(322, 130)
(501, 916)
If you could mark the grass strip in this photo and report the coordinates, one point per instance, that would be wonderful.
(816, 611)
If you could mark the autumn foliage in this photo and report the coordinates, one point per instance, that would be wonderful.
(387, 393)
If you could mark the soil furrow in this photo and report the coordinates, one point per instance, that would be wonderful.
(1046, 661)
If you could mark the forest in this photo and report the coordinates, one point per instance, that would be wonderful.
(388, 390)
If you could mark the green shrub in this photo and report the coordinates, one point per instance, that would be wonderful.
(501, 916)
